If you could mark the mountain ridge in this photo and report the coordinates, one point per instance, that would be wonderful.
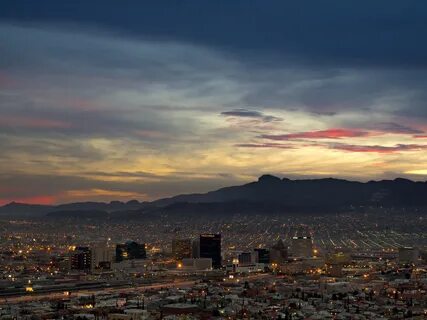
(268, 193)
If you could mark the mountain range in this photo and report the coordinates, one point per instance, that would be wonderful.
(269, 194)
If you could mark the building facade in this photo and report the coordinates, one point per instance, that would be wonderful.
(210, 247)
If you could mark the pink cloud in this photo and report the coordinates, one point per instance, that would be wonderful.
(322, 134)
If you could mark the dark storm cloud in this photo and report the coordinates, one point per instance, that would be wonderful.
(243, 113)
(96, 62)
(382, 32)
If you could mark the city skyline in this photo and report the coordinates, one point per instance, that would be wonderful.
(104, 102)
(213, 159)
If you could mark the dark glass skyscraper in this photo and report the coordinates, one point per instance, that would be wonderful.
(210, 247)
(262, 255)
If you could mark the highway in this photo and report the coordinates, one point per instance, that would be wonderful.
(62, 295)
(111, 290)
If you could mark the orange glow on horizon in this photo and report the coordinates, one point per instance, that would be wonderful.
(44, 200)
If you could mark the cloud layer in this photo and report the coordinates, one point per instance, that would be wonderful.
(99, 112)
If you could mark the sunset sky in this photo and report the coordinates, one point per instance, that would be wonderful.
(102, 101)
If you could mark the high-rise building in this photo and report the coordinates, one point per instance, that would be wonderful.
(210, 247)
(181, 248)
(302, 247)
(80, 259)
(130, 250)
(262, 255)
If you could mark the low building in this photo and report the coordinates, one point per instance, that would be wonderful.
(199, 264)
(408, 255)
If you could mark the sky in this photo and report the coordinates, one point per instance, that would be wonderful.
(107, 100)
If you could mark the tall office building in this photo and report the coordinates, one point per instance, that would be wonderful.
(302, 247)
(210, 247)
(80, 259)
(181, 248)
(130, 250)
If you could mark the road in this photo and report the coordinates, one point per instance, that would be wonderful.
(60, 295)
(142, 288)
